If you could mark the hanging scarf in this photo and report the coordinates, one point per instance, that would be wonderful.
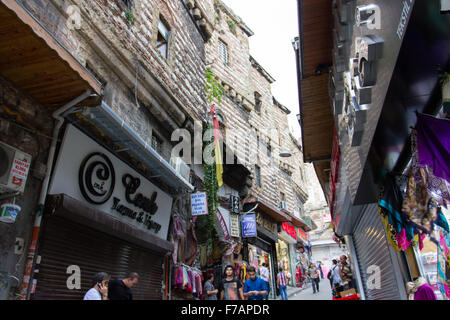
(433, 143)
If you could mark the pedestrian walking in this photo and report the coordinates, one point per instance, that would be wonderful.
(335, 278)
(265, 275)
(315, 277)
(282, 284)
(99, 290)
(320, 269)
(230, 287)
(209, 289)
(254, 288)
(120, 289)
(345, 271)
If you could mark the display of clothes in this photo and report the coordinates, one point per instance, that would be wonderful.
(410, 217)
(443, 263)
(188, 279)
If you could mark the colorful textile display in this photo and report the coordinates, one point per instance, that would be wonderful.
(433, 144)
(187, 279)
(443, 263)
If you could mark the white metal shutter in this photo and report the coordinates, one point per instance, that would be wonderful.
(371, 247)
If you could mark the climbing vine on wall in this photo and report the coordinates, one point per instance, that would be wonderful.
(214, 92)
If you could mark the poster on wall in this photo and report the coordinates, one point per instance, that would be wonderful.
(199, 204)
(249, 226)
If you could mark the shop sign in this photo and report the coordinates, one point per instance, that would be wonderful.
(234, 225)
(266, 223)
(302, 234)
(19, 172)
(249, 226)
(290, 230)
(199, 204)
(234, 204)
(88, 172)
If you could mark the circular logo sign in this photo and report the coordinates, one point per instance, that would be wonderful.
(96, 178)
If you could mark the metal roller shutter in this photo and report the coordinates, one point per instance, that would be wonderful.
(65, 243)
(372, 248)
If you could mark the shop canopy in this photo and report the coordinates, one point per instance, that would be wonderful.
(110, 123)
(37, 63)
(274, 213)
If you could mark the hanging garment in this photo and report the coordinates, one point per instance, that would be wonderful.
(433, 144)
(192, 244)
(178, 239)
(417, 205)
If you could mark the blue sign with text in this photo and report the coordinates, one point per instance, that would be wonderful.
(249, 226)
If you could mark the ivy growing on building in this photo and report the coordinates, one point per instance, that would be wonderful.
(214, 93)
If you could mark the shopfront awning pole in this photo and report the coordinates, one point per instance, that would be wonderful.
(57, 115)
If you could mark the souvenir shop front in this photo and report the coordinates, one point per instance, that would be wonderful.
(286, 255)
(262, 248)
(102, 215)
(301, 257)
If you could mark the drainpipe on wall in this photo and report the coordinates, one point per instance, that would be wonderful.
(58, 116)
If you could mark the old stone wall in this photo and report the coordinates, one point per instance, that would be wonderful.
(24, 126)
(141, 85)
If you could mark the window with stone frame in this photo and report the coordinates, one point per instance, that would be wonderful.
(258, 175)
(162, 41)
(223, 52)
(258, 102)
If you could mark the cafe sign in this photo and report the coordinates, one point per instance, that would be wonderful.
(88, 172)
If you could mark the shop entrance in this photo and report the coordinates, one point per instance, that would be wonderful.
(66, 246)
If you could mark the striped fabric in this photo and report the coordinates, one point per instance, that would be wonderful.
(282, 279)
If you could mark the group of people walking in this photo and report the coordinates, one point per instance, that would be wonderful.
(255, 288)
(103, 288)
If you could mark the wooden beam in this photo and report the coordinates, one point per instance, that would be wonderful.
(51, 42)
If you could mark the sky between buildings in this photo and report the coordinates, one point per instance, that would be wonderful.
(275, 25)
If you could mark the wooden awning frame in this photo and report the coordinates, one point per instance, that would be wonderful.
(40, 35)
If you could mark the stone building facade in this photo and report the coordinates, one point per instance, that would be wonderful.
(149, 60)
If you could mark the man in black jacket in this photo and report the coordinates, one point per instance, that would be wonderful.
(121, 289)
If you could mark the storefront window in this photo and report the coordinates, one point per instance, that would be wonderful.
(256, 257)
(284, 259)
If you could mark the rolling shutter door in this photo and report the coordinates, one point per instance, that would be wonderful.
(371, 248)
(65, 243)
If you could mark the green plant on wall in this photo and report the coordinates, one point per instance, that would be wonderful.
(212, 189)
(214, 92)
(129, 16)
(232, 26)
(214, 89)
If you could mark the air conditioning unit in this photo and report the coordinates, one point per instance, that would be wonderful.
(284, 205)
(14, 168)
(181, 167)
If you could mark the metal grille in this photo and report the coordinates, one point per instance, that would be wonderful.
(65, 243)
(371, 248)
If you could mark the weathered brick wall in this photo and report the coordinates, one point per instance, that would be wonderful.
(118, 52)
(24, 126)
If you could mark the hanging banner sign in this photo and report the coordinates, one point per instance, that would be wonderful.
(234, 225)
(223, 224)
(199, 204)
(249, 226)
